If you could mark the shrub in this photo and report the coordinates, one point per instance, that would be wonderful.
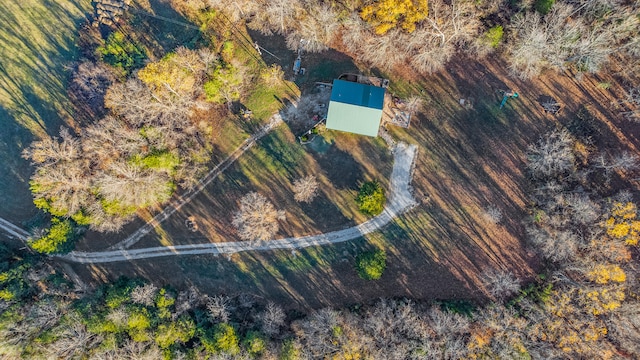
(225, 85)
(181, 330)
(158, 160)
(461, 307)
(255, 343)
(119, 293)
(223, 339)
(164, 300)
(138, 324)
(121, 53)
(543, 6)
(59, 238)
(493, 36)
(370, 265)
(115, 207)
(371, 198)
(289, 351)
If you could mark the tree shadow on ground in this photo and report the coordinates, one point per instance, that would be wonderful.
(341, 168)
(15, 171)
(306, 279)
(160, 35)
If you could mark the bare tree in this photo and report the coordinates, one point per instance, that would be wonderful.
(632, 101)
(551, 106)
(317, 331)
(89, 84)
(129, 349)
(219, 308)
(414, 104)
(140, 106)
(186, 301)
(246, 300)
(144, 294)
(273, 76)
(111, 138)
(444, 323)
(528, 49)
(447, 26)
(72, 340)
(237, 10)
(500, 284)
(131, 186)
(493, 214)
(105, 222)
(508, 330)
(62, 178)
(305, 189)
(316, 28)
(393, 327)
(557, 40)
(272, 319)
(52, 150)
(277, 16)
(66, 187)
(624, 327)
(355, 34)
(622, 162)
(583, 210)
(118, 317)
(384, 51)
(552, 156)
(257, 218)
(555, 245)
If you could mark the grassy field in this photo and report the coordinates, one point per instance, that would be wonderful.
(37, 46)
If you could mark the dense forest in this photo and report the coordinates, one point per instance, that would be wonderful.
(145, 142)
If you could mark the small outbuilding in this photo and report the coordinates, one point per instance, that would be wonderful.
(355, 107)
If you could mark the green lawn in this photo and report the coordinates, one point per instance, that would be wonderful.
(37, 47)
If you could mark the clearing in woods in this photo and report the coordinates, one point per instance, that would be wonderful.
(470, 158)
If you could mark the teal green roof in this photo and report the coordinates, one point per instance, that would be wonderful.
(354, 93)
(355, 108)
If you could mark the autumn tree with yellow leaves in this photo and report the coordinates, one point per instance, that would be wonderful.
(385, 15)
(623, 224)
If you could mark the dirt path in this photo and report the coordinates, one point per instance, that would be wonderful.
(187, 197)
(400, 200)
(13, 230)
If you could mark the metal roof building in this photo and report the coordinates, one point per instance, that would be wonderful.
(355, 107)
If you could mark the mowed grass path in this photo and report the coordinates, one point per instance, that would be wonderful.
(37, 48)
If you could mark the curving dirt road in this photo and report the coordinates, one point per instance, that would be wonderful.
(400, 200)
